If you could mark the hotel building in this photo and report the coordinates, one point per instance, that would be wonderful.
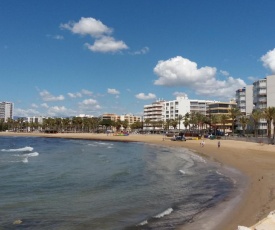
(167, 110)
(6, 110)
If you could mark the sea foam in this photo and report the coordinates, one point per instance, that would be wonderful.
(24, 149)
(165, 213)
(34, 154)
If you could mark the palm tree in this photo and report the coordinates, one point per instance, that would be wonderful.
(180, 118)
(243, 121)
(214, 120)
(268, 114)
(186, 121)
(234, 113)
(224, 118)
(256, 116)
(125, 124)
(193, 120)
(174, 123)
(167, 124)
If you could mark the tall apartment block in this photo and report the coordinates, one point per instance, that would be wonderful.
(6, 110)
(264, 97)
(154, 111)
(244, 99)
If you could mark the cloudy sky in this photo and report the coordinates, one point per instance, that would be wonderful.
(65, 58)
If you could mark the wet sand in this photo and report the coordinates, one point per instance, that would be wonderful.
(255, 161)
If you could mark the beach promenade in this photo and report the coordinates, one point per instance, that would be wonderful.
(255, 161)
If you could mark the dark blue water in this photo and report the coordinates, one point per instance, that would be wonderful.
(51, 183)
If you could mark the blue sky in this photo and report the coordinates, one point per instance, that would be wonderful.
(65, 58)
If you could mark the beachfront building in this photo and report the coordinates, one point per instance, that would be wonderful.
(130, 118)
(6, 110)
(264, 97)
(244, 100)
(222, 108)
(153, 113)
(35, 123)
(183, 105)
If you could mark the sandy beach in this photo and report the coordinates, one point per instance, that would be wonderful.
(255, 161)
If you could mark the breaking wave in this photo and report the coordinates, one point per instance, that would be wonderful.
(24, 149)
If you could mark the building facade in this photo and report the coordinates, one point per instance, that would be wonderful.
(264, 97)
(153, 112)
(130, 118)
(222, 108)
(244, 99)
(6, 110)
(168, 110)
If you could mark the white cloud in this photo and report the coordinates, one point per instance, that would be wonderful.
(87, 26)
(180, 71)
(101, 33)
(89, 106)
(223, 72)
(113, 91)
(269, 60)
(26, 112)
(180, 94)
(86, 92)
(106, 44)
(44, 105)
(251, 78)
(142, 96)
(60, 111)
(56, 37)
(74, 95)
(34, 105)
(88, 102)
(144, 50)
(46, 96)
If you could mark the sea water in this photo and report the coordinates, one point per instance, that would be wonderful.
(52, 183)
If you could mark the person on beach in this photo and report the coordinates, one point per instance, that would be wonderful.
(219, 144)
(202, 143)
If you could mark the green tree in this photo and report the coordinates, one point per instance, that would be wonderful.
(180, 118)
(256, 116)
(107, 123)
(269, 114)
(233, 114)
(147, 122)
(243, 121)
(125, 124)
(174, 123)
(186, 121)
(224, 119)
(214, 120)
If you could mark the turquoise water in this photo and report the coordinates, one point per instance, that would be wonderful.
(51, 183)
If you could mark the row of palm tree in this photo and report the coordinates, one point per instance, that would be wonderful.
(199, 122)
(74, 124)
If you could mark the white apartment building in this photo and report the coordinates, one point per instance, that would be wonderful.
(6, 110)
(36, 120)
(264, 97)
(154, 111)
(244, 99)
(166, 110)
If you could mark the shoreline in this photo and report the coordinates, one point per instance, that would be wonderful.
(255, 161)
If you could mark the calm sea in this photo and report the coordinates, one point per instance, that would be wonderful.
(51, 183)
